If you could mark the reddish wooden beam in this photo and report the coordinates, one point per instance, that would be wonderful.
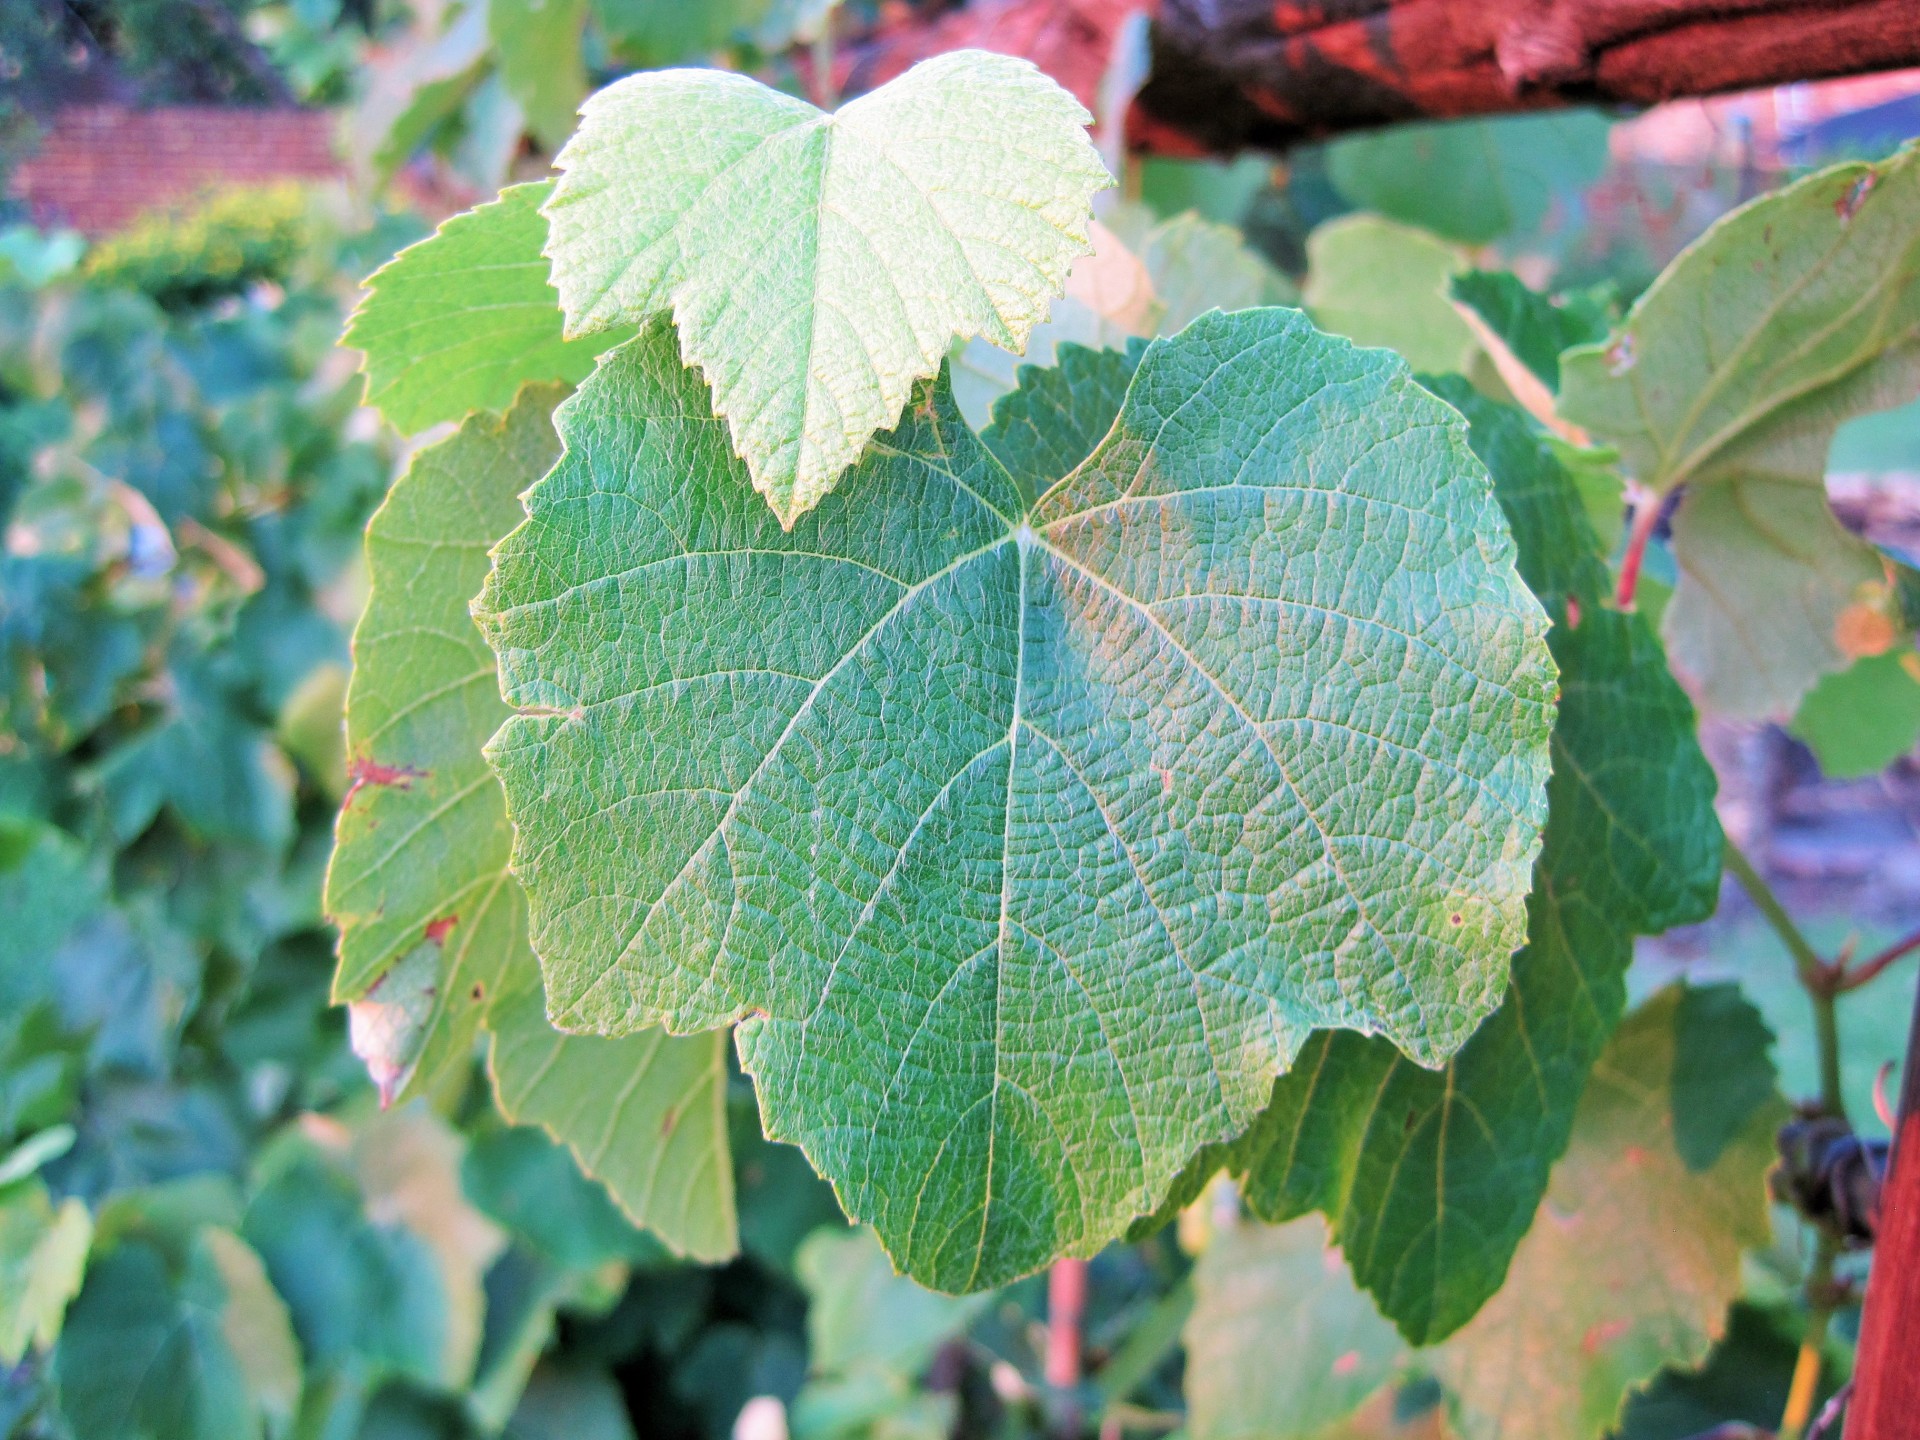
(1886, 1384)
(1230, 75)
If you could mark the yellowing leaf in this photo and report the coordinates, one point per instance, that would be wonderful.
(817, 265)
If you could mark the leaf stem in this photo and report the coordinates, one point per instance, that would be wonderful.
(1646, 517)
(1854, 976)
(1820, 979)
(1066, 1305)
(1806, 1369)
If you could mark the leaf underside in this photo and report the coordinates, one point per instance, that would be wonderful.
(818, 265)
(1026, 839)
(1729, 377)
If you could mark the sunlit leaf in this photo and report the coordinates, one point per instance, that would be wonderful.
(1027, 839)
(817, 265)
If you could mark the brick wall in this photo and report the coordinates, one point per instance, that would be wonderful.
(99, 166)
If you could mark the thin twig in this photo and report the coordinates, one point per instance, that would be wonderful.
(1813, 1343)
(1854, 976)
(1830, 1413)
(1819, 978)
(1066, 1305)
(1646, 516)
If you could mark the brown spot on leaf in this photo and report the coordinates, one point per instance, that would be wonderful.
(1848, 205)
(438, 930)
(363, 771)
(1864, 629)
(1573, 613)
(668, 1121)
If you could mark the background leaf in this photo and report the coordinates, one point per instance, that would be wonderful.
(1729, 377)
(1382, 283)
(461, 320)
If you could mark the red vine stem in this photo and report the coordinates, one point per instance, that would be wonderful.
(1066, 1305)
(1646, 515)
(1854, 976)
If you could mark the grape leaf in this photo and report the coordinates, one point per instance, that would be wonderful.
(432, 925)
(145, 1351)
(1722, 1072)
(1054, 419)
(420, 856)
(1431, 1180)
(537, 44)
(1280, 1344)
(1729, 377)
(43, 1253)
(645, 1114)
(1632, 1263)
(1859, 720)
(1534, 326)
(1027, 838)
(1196, 265)
(257, 1328)
(1471, 180)
(817, 265)
(1628, 1266)
(459, 321)
(1382, 283)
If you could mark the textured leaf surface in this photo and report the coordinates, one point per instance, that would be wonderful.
(1280, 1345)
(1631, 1264)
(818, 265)
(1382, 283)
(459, 321)
(1031, 836)
(1432, 1179)
(433, 927)
(1861, 719)
(1729, 377)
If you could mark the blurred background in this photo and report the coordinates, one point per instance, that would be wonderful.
(190, 194)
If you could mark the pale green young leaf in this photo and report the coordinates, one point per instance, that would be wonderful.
(817, 265)
(1729, 377)
(461, 320)
(1027, 839)
(537, 43)
(433, 927)
(1382, 283)
(1281, 1344)
(43, 1253)
(1630, 1265)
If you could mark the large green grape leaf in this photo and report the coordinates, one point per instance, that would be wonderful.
(148, 1346)
(1632, 1262)
(459, 321)
(817, 265)
(1432, 1179)
(1729, 377)
(432, 926)
(1027, 838)
(1280, 1344)
(420, 857)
